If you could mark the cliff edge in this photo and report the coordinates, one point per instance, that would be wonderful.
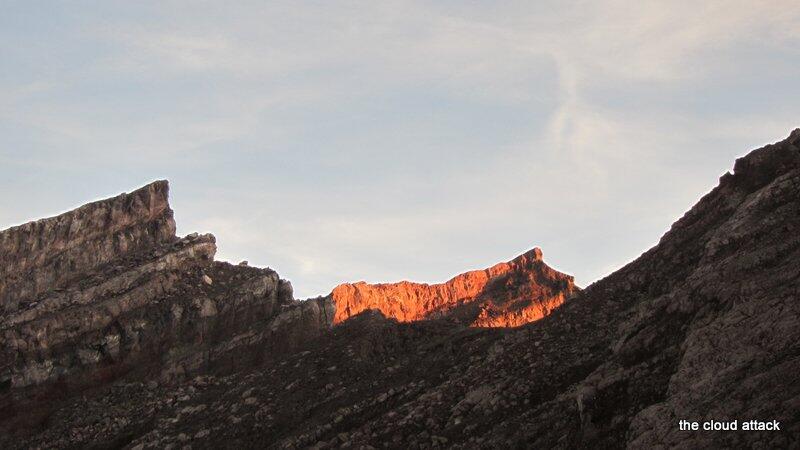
(109, 290)
(507, 294)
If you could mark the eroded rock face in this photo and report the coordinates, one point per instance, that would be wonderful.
(108, 289)
(505, 295)
(703, 326)
(50, 253)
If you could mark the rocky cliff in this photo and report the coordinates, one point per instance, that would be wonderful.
(48, 254)
(703, 326)
(108, 289)
(505, 295)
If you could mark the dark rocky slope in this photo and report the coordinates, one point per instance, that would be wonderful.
(108, 291)
(703, 326)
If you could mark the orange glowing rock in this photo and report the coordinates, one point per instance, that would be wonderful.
(507, 294)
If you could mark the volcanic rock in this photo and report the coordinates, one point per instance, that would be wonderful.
(108, 288)
(704, 326)
(505, 295)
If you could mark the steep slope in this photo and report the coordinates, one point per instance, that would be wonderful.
(109, 289)
(703, 326)
(505, 295)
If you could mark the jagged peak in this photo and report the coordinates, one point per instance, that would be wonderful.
(794, 136)
(155, 193)
(42, 255)
(533, 288)
(751, 172)
(534, 254)
(763, 165)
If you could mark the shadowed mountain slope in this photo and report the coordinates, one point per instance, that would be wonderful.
(108, 290)
(703, 326)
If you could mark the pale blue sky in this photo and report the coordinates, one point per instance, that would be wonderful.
(379, 141)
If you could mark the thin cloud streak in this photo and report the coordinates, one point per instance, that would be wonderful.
(392, 140)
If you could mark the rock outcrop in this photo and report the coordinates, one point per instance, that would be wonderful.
(48, 254)
(108, 289)
(704, 326)
(505, 295)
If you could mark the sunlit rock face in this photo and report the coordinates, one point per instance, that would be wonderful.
(507, 294)
(703, 326)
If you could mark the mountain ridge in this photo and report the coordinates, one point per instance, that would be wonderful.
(509, 293)
(702, 326)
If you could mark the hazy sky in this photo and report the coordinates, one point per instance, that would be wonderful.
(379, 141)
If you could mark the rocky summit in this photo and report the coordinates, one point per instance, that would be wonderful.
(108, 291)
(118, 334)
(505, 295)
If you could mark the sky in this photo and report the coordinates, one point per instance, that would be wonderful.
(381, 141)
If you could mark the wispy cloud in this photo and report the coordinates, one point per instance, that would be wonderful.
(385, 140)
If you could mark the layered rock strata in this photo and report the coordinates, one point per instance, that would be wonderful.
(505, 295)
(108, 289)
(48, 254)
(703, 326)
